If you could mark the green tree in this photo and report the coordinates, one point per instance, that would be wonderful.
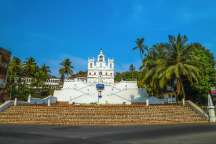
(171, 66)
(132, 70)
(39, 79)
(206, 64)
(30, 67)
(79, 74)
(66, 69)
(46, 69)
(14, 76)
(14, 68)
(118, 77)
(141, 47)
(17, 74)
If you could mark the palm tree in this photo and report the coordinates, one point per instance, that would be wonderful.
(39, 79)
(171, 63)
(131, 70)
(45, 69)
(14, 68)
(41, 75)
(141, 47)
(66, 69)
(14, 74)
(30, 67)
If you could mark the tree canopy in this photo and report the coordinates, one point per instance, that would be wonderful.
(187, 69)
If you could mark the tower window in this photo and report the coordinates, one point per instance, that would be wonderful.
(90, 65)
(110, 65)
(101, 58)
(100, 73)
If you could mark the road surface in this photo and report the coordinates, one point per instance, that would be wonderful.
(157, 134)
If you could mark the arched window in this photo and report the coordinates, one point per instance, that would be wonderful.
(101, 58)
(94, 73)
(89, 73)
(90, 65)
(100, 73)
(110, 65)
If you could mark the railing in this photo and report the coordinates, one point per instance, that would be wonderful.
(6, 105)
(75, 80)
(80, 90)
(84, 94)
(197, 109)
(121, 97)
(44, 100)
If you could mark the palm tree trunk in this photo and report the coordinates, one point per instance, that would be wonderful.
(180, 90)
(183, 92)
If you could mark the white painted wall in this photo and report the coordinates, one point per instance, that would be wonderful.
(83, 92)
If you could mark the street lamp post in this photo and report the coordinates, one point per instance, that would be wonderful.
(100, 88)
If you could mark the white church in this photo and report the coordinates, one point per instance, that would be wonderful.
(100, 71)
(99, 87)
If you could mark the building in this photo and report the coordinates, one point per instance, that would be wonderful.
(4, 61)
(101, 71)
(85, 91)
(52, 83)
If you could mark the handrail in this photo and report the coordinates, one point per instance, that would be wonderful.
(122, 97)
(119, 90)
(6, 105)
(197, 108)
(78, 96)
(80, 90)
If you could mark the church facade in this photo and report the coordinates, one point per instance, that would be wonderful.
(100, 71)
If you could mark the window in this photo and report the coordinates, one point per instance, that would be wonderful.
(110, 73)
(94, 73)
(89, 73)
(101, 58)
(110, 65)
(100, 65)
(100, 73)
(90, 65)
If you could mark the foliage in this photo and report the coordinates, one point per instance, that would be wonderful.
(177, 66)
(79, 74)
(66, 69)
(206, 65)
(129, 75)
(140, 45)
(18, 71)
(29, 67)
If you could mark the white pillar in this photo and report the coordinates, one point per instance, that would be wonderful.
(211, 112)
(183, 101)
(29, 98)
(49, 101)
(147, 102)
(15, 102)
(211, 109)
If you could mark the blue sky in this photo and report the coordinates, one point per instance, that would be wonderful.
(51, 30)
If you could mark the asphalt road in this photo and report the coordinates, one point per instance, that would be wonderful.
(166, 134)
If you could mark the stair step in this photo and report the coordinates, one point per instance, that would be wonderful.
(65, 114)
